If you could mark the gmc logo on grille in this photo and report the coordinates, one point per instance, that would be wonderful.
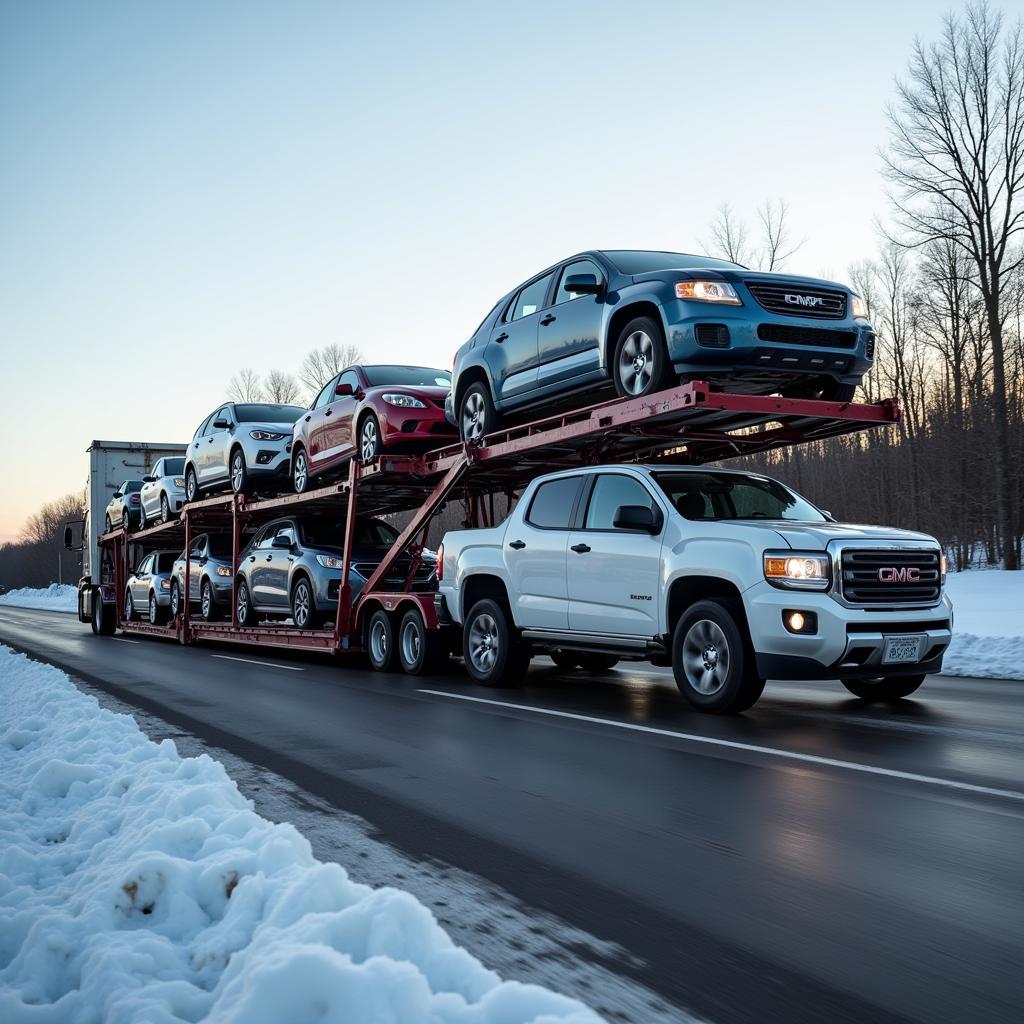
(908, 574)
(804, 300)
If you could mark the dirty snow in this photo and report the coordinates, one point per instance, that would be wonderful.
(139, 885)
(57, 597)
(988, 624)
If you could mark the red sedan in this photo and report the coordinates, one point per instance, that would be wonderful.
(366, 409)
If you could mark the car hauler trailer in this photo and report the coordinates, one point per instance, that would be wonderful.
(686, 425)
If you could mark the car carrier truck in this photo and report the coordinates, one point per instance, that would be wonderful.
(110, 462)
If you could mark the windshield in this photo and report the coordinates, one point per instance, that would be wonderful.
(633, 261)
(408, 376)
(266, 413)
(369, 533)
(132, 486)
(731, 496)
(172, 467)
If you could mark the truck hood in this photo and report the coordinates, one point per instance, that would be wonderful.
(815, 536)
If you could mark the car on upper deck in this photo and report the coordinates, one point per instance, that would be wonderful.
(163, 491)
(643, 321)
(365, 409)
(124, 508)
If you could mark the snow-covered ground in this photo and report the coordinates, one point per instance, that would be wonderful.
(139, 885)
(57, 597)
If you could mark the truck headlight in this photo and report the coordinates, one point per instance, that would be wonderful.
(330, 561)
(708, 291)
(858, 307)
(403, 401)
(797, 570)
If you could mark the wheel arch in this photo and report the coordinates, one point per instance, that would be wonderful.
(622, 316)
(685, 591)
(479, 586)
(472, 374)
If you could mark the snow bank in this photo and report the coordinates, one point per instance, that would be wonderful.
(57, 597)
(139, 885)
(988, 624)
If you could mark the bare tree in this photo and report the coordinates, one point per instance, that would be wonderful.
(281, 387)
(322, 364)
(776, 245)
(245, 386)
(728, 237)
(956, 163)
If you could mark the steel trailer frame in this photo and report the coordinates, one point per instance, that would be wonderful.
(688, 424)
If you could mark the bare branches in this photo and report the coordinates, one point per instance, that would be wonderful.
(730, 238)
(281, 387)
(245, 386)
(321, 364)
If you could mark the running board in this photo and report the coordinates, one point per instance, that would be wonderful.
(603, 642)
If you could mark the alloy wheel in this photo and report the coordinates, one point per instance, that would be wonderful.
(165, 509)
(300, 472)
(473, 416)
(483, 643)
(301, 606)
(237, 472)
(153, 614)
(207, 601)
(242, 605)
(129, 607)
(412, 641)
(636, 363)
(705, 657)
(175, 599)
(369, 440)
(379, 642)
(191, 485)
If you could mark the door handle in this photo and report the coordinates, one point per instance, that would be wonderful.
(308, 418)
(270, 558)
(252, 558)
(328, 413)
(580, 549)
(549, 319)
(210, 441)
(518, 545)
(501, 337)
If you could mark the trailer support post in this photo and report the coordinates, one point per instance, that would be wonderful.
(343, 624)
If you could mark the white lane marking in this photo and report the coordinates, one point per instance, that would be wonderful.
(830, 762)
(125, 640)
(262, 664)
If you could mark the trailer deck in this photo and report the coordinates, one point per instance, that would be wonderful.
(686, 425)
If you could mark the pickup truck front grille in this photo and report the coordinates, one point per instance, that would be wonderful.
(905, 576)
(799, 300)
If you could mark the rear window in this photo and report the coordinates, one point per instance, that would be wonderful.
(632, 261)
(408, 376)
(267, 413)
(551, 508)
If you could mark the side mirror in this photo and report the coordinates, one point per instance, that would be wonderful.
(149, 479)
(343, 390)
(281, 542)
(69, 538)
(638, 518)
(221, 424)
(582, 284)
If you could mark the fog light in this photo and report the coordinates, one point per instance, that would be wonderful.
(800, 622)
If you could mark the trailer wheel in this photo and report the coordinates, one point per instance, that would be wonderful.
(244, 610)
(565, 660)
(494, 655)
(380, 642)
(640, 363)
(103, 623)
(884, 688)
(711, 659)
(598, 662)
(422, 651)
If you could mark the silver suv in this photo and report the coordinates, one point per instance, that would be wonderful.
(149, 587)
(240, 445)
(163, 491)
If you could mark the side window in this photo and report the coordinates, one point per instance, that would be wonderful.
(158, 469)
(263, 538)
(223, 413)
(326, 394)
(147, 565)
(531, 298)
(610, 492)
(579, 267)
(196, 551)
(350, 377)
(207, 428)
(552, 505)
(287, 531)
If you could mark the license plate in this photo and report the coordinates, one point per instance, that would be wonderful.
(902, 648)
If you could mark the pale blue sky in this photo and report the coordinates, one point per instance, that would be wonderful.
(186, 187)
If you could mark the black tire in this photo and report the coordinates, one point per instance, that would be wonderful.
(244, 610)
(165, 509)
(208, 607)
(156, 613)
(598, 662)
(107, 524)
(369, 438)
(421, 651)
(129, 606)
(884, 688)
(565, 660)
(380, 642)
(103, 616)
(640, 364)
(126, 521)
(300, 471)
(712, 660)
(191, 485)
(175, 598)
(494, 655)
(303, 603)
(476, 414)
(238, 472)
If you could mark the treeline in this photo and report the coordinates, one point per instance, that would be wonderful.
(39, 558)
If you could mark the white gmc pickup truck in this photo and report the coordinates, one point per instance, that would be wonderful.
(729, 577)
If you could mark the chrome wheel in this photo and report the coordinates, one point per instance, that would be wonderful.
(165, 509)
(153, 613)
(412, 642)
(237, 472)
(369, 440)
(706, 657)
(379, 642)
(301, 605)
(242, 605)
(483, 643)
(300, 472)
(129, 606)
(175, 599)
(207, 601)
(636, 363)
(474, 415)
(191, 485)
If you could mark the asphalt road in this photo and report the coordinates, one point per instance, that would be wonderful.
(814, 859)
